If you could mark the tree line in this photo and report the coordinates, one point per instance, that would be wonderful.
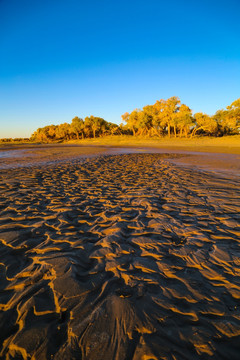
(164, 118)
(90, 127)
(170, 117)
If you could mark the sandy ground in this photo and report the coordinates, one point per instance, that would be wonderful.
(130, 256)
(52, 154)
(28, 156)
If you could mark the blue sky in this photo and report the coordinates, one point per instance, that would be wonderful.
(60, 59)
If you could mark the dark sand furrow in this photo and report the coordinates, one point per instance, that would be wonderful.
(122, 257)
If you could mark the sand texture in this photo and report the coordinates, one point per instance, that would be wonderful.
(117, 258)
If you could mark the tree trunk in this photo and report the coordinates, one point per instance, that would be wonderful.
(175, 131)
(140, 132)
(158, 132)
(195, 130)
(169, 130)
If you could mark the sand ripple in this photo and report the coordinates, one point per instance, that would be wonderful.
(121, 257)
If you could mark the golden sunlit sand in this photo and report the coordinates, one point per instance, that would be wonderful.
(126, 256)
(225, 144)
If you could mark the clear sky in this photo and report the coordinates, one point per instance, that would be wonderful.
(66, 58)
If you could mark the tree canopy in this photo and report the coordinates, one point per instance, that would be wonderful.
(170, 117)
(90, 127)
(164, 118)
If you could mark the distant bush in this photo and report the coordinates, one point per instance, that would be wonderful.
(11, 140)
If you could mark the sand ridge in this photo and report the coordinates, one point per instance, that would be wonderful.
(119, 257)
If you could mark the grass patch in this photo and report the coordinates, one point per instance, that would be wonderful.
(226, 144)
